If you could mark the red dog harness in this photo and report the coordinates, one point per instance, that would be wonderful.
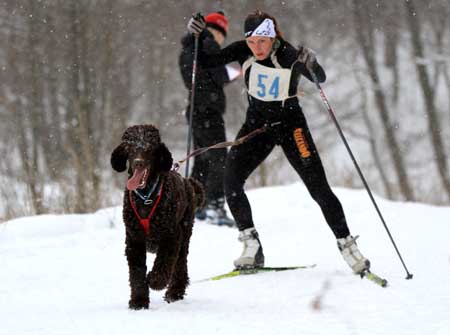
(145, 222)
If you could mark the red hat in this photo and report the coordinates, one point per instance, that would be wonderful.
(217, 21)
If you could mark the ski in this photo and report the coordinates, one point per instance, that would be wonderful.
(374, 278)
(251, 271)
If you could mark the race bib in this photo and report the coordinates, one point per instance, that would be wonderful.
(269, 84)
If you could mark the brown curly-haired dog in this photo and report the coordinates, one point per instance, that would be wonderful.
(158, 212)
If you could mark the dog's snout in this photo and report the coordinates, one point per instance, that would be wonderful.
(138, 163)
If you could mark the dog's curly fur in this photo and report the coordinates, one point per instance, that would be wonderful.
(171, 224)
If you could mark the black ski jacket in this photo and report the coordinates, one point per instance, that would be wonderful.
(209, 94)
(285, 56)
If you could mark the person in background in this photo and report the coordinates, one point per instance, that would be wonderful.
(208, 125)
(272, 68)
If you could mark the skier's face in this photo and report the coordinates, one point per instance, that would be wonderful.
(260, 46)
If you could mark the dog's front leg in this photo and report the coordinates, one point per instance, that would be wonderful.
(136, 256)
(164, 264)
(180, 279)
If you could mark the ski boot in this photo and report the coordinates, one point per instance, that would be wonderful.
(217, 215)
(252, 255)
(349, 250)
(200, 214)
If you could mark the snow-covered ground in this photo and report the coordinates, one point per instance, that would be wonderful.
(68, 274)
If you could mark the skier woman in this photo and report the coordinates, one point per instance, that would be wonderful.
(272, 69)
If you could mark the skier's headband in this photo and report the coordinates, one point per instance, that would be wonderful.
(265, 28)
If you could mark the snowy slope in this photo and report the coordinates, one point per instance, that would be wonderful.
(68, 275)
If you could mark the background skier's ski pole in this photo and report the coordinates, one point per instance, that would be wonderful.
(191, 107)
(333, 117)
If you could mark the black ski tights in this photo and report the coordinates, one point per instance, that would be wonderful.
(299, 148)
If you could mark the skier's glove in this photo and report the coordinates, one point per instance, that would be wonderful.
(196, 24)
(307, 56)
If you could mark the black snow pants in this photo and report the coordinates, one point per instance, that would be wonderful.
(208, 128)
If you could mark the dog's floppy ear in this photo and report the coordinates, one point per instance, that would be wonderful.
(163, 158)
(119, 158)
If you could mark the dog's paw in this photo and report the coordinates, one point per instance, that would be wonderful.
(173, 296)
(139, 303)
(156, 282)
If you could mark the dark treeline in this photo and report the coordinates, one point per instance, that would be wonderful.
(75, 73)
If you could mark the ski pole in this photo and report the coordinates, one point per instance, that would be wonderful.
(191, 107)
(341, 134)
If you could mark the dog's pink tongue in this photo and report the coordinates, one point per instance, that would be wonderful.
(134, 182)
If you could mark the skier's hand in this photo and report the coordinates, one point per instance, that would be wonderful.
(196, 24)
(307, 56)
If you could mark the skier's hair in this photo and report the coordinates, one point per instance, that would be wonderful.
(258, 15)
